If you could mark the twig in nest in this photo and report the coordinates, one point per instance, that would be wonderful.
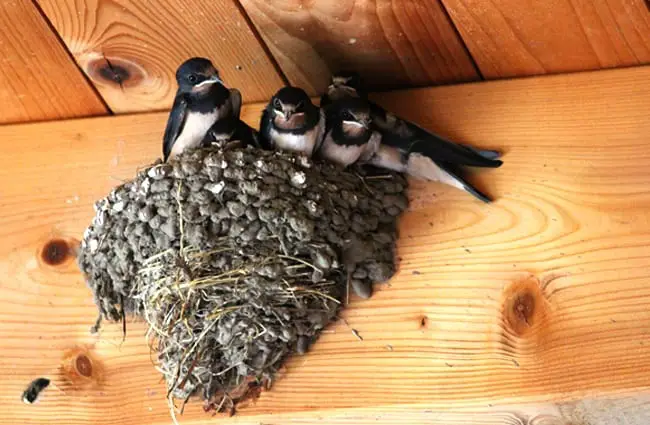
(123, 319)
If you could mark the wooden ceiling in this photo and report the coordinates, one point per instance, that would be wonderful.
(75, 58)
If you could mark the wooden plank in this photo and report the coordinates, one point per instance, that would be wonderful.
(510, 38)
(499, 312)
(38, 79)
(392, 43)
(130, 49)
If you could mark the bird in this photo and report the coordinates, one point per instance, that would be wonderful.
(201, 100)
(347, 83)
(232, 132)
(351, 138)
(291, 122)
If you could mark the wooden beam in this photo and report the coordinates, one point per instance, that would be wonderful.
(534, 307)
(392, 43)
(130, 50)
(38, 79)
(509, 38)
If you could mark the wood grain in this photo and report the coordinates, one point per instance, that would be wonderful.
(532, 310)
(130, 48)
(510, 38)
(392, 43)
(38, 79)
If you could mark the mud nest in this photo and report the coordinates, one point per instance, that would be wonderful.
(238, 258)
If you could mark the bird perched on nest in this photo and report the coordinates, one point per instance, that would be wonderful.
(291, 122)
(361, 131)
(349, 84)
(201, 100)
(232, 132)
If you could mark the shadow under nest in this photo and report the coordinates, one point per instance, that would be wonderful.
(236, 259)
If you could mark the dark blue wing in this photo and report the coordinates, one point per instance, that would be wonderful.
(410, 137)
(174, 124)
(265, 131)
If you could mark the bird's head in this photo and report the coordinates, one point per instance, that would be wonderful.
(289, 107)
(345, 84)
(222, 131)
(352, 114)
(196, 76)
(346, 78)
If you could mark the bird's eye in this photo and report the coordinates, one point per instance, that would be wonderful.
(192, 78)
(277, 104)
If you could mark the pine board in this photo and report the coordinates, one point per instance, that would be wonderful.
(143, 42)
(534, 309)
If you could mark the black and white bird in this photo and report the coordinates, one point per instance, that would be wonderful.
(201, 100)
(352, 137)
(349, 84)
(349, 136)
(291, 122)
(232, 132)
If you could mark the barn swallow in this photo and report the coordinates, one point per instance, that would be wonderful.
(349, 84)
(292, 122)
(201, 100)
(427, 161)
(232, 132)
(349, 137)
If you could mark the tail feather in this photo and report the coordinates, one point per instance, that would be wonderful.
(456, 175)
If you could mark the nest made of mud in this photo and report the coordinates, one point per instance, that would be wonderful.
(237, 258)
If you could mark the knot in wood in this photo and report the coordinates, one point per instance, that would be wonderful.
(523, 306)
(83, 365)
(55, 252)
(115, 71)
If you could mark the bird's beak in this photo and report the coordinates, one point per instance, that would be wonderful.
(212, 80)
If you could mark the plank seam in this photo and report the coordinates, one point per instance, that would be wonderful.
(60, 40)
(260, 40)
(462, 40)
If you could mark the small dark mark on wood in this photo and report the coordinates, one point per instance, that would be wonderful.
(389, 347)
(468, 251)
(356, 333)
(30, 395)
(416, 272)
(515, 362)
(612, 320)
(449, 364)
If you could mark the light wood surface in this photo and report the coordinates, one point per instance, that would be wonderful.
(526, 37)
(38, 81)
(143, 42)
(532, 310)
(392, 43)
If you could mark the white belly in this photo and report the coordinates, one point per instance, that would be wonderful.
(302, 143)
(340, 154)
(194, 130)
